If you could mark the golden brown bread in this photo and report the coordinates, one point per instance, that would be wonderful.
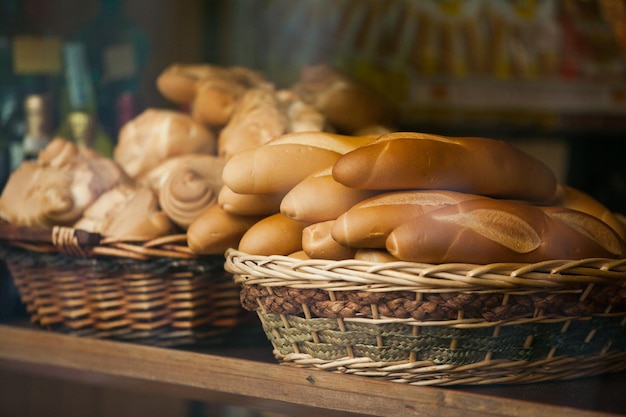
(374, 255)
(406, 160)
(274, 169)
(368, 223)
(347, 103)
(487, 230)
(318, 243)
(256, 119)
(325, 140)
(319, 197)
(249, 204)
(273, 235)
(158, 134)
(215, 230)
(570, 197)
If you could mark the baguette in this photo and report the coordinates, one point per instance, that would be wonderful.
(319, 198)
(274, 169)
(368, 223)
(472, 165)
(273, 235)
(333, 142)
(486, 231)
(215, 230)
(318, 243)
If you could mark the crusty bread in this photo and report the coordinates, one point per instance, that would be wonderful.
(256, 119)
(318, 243)
(249, 204)
(572, 198)
(368, 223)
(406, 160)
(158, 134)
(274, 169)
(374, 255)
(319, 197)
(215, 230)
(333, 142)
(487, 230)
(273, 235)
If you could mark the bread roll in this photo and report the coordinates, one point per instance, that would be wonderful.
(574, 199)
(347, 103)
(368, 223)
(249, 204)
(57, 188)
(156, 135)
(214, 231)
(257, 119)
(470, 165)
(299, 255)
(319, 197)
(127, 212)
(273, 235)
(274, 169)
(374, 255)
(486, 231)
(333, 142)
(318, 243)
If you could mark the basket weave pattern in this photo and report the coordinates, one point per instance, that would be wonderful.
(153, 292)
(440, 324)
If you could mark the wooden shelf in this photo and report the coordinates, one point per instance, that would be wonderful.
(246, 375)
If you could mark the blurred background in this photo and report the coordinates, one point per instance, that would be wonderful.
(547, 75)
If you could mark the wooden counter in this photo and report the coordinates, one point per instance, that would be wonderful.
(244, 373)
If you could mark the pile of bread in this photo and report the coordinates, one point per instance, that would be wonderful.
(167, 163)
(311, 171)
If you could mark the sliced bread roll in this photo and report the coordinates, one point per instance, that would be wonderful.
(486, 231)
(368, 223)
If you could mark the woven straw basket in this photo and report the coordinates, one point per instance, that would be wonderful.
(152, 292)
(445, 324)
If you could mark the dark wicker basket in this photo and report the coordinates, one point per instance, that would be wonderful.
(440, 324)
(154, 292)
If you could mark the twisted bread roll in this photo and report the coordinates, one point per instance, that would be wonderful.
(186, 185)
(156, 135)
(126, 212)
(471, 165)
(57, 188)
(486, 230)
(257, 119)
(368, 223)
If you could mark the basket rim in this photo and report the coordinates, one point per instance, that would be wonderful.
(280, 270)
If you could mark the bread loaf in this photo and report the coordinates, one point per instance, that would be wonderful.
(273, 235)
(368, 223)
(249, 204)
(486, 231)
(470, 165)
(318, 243)
(215, 230)
(570, 197)
(319, 197)
(274, 169)
(374, 255)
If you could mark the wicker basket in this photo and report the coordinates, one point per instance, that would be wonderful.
(153, 292)
(446, 324)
